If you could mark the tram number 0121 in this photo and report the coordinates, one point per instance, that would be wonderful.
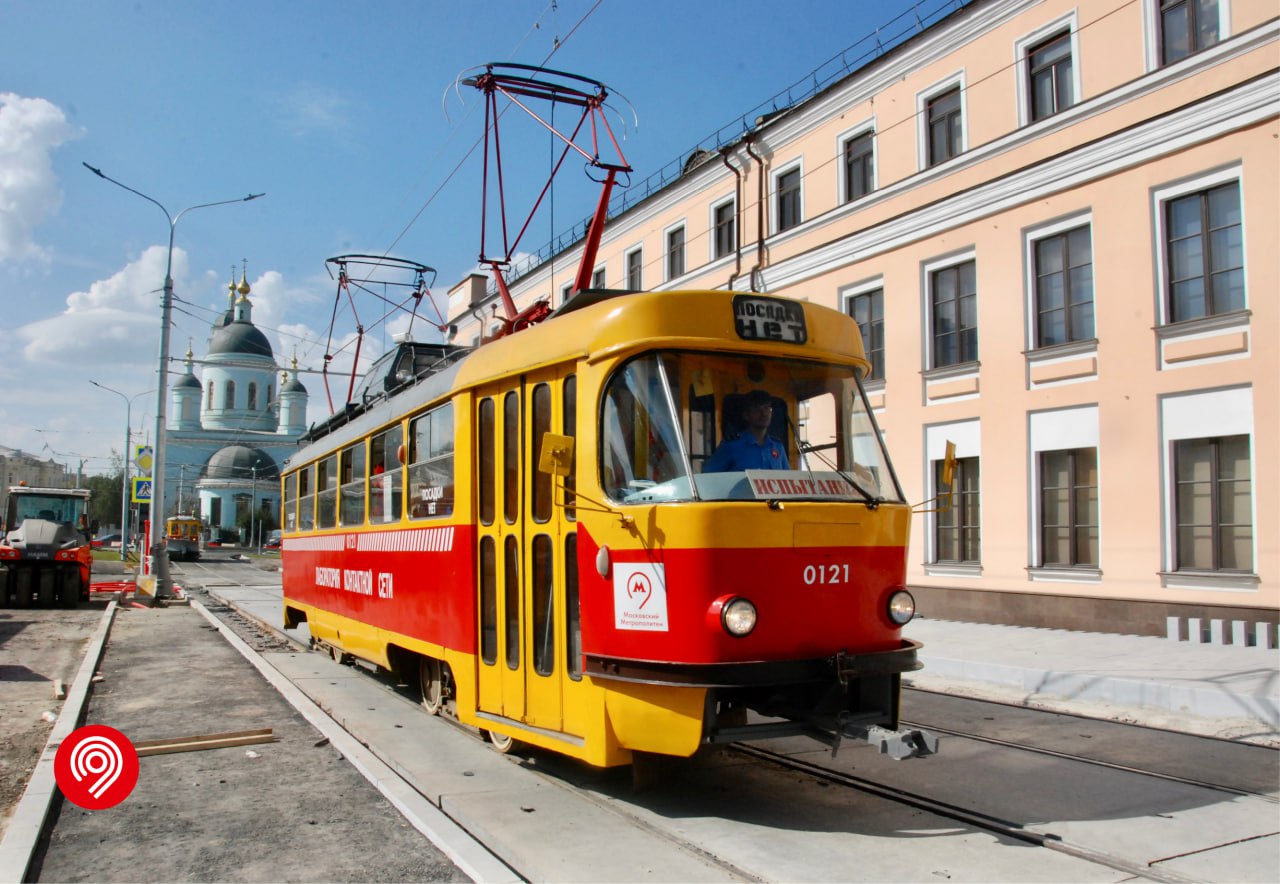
(826, 575)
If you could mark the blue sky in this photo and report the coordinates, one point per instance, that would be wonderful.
(344, 115)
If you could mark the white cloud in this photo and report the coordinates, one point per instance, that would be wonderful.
(30, 129)
(307, 109)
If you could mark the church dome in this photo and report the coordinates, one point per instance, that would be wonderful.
(242, 338)
(241, 462)
(293, 385)
(187, 382)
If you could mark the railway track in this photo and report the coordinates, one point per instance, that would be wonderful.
(971, 812)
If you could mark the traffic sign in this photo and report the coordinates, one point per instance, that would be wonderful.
(142, 489)
(142, 457)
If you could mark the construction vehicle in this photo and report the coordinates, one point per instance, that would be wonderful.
(45, 552)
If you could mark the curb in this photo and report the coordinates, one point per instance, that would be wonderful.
(30, 816)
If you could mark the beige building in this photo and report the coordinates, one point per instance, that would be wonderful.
(1056, 223)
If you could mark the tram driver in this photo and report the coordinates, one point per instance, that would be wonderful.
(754, 448)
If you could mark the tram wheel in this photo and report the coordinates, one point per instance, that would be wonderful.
(502, 743)
(431, 682)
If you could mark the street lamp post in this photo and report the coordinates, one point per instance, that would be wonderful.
(159, 551)
(124, 483)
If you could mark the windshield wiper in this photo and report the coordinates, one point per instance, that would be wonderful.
(872, 500)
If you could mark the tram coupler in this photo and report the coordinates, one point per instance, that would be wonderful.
(897, 744)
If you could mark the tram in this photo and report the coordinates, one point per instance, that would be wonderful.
(542, 534)
(182, 537)
(638, 525)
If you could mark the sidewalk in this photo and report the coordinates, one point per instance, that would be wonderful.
(1214, 690)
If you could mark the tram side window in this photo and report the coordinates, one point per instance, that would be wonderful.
(544, 629)
(485, 461)
(353, 485)
(539, 425)
(306, 505)
(569, 427)
(511, 600)
(291, 502)
(431, 464)
(386, 478)
(327, 493)
(573, 621)
(488, 601)
(511, 457)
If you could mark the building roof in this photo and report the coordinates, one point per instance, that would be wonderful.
(241, 462)
(240, 337)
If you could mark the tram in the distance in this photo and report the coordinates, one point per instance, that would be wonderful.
(650, 523)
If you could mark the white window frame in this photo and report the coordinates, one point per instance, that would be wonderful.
(682, 224)
(626, 265)
(842, 140)
(715, 206)
(927, 269)
(775, 204)
(1023, 45)
(967, 436)
(1063, 429)
(946, 84)
(600, 271)
(1167, 192)
(1199, 415)
(1030, 237)
(847, 294)
(1151, 31)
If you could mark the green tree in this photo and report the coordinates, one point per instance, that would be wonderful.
(104, 505)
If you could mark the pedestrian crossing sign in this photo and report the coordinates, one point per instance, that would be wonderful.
(142, 489)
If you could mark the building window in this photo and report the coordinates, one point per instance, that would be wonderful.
(675, 253)
(1069, 508)
(566, 293)
(230, 401)
(1204, 253)
(1049, 65)
(945, 133)
(1213, 493)
(859, 166)
(1187, 26)
(1064, 287)
(867, 309)
(789, 199)
(252, 404)
(209, 403)
(725, 230)
(957, 531)
(597, 279)
(955, 314)
(635, 271)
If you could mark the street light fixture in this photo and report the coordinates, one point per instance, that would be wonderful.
(159, 551)
(124, 482)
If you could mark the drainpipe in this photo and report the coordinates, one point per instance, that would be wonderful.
(737, 227)
(760, 217)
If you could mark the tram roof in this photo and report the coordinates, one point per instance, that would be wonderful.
(631, 321)
(601, 326)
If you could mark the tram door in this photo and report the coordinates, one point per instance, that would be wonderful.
(521, 549)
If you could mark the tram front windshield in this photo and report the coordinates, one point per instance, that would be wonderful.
(678, 426)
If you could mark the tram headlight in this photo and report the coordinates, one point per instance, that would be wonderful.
(901, 607)
(738, 617)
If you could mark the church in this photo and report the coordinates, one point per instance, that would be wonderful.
(230, 429)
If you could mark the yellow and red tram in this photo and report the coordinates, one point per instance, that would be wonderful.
(542, 533)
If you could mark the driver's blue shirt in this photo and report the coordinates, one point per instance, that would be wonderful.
(745, 453)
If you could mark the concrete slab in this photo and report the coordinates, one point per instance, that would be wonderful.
(1254, 859)
(542, 828)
